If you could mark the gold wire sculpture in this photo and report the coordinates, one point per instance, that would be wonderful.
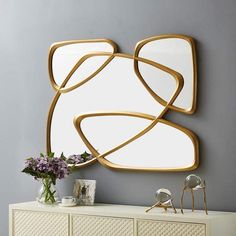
(194, 183)
(164, 200)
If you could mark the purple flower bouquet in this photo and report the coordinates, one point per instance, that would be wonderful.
(47, 168)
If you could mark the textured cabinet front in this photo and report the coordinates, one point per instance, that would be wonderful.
(101, 226)
(164, 228)
(30, 223)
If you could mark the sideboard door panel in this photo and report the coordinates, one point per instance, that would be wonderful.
(101, 226)
(165, 228)
(32, 223)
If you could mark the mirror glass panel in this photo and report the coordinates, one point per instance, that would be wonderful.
(177, 54)
(157, 155)
(110, 132)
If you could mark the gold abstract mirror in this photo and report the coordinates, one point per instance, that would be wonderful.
(113, 104)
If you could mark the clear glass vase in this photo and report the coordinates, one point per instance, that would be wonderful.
(48, 193)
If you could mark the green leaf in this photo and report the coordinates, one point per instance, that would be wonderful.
(32, 172)
(41, 154)
(85, 155)
(63, 156)
(54, 181)
(51, 154)
(72, 168)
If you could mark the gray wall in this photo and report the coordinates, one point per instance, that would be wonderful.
(27, 28)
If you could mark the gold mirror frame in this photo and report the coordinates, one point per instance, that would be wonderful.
(101, 157)
(55, 46)
(191, 42)
(167, 105)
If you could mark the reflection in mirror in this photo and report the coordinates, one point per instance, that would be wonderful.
(177, 53)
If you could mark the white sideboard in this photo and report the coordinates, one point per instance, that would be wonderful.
(34, 219)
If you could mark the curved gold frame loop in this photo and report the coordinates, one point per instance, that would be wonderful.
(101, 157)
(191, 42)
(55, 46)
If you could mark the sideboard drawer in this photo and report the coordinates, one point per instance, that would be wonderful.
(167, 228)
(83, 225)
(32, 223)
